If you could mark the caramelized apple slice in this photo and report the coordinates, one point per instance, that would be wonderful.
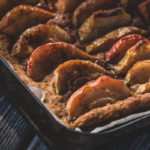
(101, 22)
(106, 42)
(140, 51)
(143, 88)
(86, 8)
(144, 9)
(113, 111)
(94, 91)
(29, 16)
(119, 49)
(139, 73)
(47, 57)
(6, 5)
(134, 87)
(71, 71)
(64, 6)
(36, 36)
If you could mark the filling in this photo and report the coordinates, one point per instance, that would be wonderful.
(89, 61)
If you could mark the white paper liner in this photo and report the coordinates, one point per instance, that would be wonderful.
(117, 122)
(39, 93)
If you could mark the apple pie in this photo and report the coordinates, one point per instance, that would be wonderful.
(90, 57)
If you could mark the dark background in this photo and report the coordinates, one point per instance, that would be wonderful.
(16, 134)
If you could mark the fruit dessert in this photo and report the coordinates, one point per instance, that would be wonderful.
(91, 58)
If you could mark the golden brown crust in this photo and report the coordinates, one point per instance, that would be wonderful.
(4, 42)
(113, 111)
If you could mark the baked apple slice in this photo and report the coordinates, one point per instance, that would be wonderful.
(94, 91)
(139, 52)
(139, 73)
(75, 73)
(144, 10)
(119, 49)
(47, 57)
(29, 16)
(106, 42)
(64, 6)
(143, 88)
(36, 36)
(6, 5)
(86, 8)
(101, 22)
(113, 111)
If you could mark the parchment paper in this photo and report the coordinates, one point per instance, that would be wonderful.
(117, 122)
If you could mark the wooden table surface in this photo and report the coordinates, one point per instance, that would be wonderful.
(15, 134)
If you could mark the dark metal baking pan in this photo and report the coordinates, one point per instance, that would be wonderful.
(48, 126)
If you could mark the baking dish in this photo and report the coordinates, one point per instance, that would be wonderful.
(49, 127)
